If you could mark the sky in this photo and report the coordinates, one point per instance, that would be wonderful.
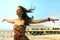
(43, 9)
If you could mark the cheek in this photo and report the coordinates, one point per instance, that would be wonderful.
(19, 12)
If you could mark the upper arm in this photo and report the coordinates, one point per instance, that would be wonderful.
(34, 21)
(10, 21)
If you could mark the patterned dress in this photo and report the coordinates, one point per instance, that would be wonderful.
(19, 32)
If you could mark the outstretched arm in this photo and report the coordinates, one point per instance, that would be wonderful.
(8, 20)
(43, 20)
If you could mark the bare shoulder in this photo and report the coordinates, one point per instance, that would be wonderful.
(15, 19)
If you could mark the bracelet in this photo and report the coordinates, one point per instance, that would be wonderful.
(48, 19)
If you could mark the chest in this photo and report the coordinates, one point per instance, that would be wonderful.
(19, 22)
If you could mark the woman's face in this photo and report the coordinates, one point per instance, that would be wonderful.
(19, 11)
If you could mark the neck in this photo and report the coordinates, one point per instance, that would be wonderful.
(20, 17)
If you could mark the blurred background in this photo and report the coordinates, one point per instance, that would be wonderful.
(43, 9)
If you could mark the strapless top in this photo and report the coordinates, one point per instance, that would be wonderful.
(19, 27)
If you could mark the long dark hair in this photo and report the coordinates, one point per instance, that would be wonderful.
(26, 18)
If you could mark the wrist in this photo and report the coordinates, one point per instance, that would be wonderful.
(49, 19)
(4, 19)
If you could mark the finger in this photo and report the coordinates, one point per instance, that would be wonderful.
(2, 21)
(56, 19)
(53, 21)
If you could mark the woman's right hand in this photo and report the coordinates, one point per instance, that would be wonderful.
(3, 20)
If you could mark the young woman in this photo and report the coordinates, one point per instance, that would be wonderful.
(23, 20)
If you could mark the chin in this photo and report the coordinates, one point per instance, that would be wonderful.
(16, 14)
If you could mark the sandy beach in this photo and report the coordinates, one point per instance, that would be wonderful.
(45, 37)
(38, 37)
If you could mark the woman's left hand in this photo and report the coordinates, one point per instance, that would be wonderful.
(53, 20)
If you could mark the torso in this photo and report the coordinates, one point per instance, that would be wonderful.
(19, 22)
